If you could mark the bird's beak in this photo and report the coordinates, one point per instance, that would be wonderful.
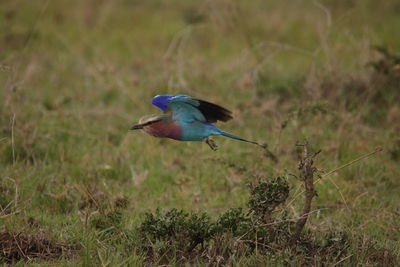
(137, 127)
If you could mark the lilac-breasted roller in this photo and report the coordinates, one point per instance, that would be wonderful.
(186, 119)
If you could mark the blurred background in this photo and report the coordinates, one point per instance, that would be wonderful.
(75, 75)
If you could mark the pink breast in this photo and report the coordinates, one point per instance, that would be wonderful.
(162, 129)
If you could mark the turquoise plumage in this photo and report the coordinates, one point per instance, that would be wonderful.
(187, 119)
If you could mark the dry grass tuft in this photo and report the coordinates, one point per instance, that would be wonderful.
(20, 246)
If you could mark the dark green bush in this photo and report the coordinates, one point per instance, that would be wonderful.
(175, 235)
(184, 231)
(233, 220)
(266, 196)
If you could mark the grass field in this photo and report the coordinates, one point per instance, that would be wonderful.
(75, 75)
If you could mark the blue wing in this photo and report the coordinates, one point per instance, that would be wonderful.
(184, 109)
(187, 109)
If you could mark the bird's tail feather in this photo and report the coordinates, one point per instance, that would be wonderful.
(240, 139)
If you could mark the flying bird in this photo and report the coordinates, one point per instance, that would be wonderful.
(187, 119)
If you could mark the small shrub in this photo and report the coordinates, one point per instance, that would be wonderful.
(266, 196)
(174, 236)
(176, 233)
(177, 227)
(233, 221)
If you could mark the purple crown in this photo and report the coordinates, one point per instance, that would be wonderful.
(161, 101)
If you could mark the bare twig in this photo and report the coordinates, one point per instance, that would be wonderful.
(378, 149)
(307, 176)
(342, 260)
(90, 195)
(19, 247)
(10, 214)
(12, 138)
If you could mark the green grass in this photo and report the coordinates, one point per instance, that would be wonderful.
(75, 75)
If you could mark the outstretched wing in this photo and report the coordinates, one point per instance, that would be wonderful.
(213, 112)
(186, 108)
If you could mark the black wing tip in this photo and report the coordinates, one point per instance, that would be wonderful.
(213, 112)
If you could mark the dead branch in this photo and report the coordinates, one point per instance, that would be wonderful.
(377, 149)
(307, 171)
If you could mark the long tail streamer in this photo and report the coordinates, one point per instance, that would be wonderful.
(241, 139)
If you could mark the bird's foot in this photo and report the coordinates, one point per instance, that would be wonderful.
(211, 144)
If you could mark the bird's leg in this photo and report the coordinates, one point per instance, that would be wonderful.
(211, 144)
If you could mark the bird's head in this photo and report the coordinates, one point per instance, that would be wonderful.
(146, 120)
